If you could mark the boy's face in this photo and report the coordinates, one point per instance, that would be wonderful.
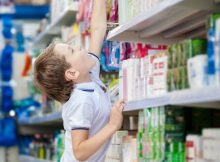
(76, 56)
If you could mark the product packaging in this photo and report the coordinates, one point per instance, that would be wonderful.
(211, 36)
(197, 71)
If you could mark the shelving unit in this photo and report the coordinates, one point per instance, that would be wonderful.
(40, 124)
(68, 17)
(24, 158)
(168, 22)
(206, 97)
(43, 120)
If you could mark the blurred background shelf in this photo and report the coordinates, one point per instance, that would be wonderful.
(68, 17)
(40, 124)
(206, 97)
(31, 12)
(24, 158)
(168, 22)
(43, 120)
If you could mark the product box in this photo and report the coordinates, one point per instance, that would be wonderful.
(211, 148)
(193, 148)
(196, 47)
(197, 71)
(118, 137)
(160, 68)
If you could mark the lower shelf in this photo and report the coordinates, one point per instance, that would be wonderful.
(25, 158)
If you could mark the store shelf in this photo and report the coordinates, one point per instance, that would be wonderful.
(67, 18)
(206, 97)
(25, 158)
(31, 11)
(168, 22)
(42, 120)
(151, 102)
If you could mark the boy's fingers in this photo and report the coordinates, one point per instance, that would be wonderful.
(122, 107)
(119, 103)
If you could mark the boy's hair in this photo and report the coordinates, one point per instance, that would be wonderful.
(49, 75)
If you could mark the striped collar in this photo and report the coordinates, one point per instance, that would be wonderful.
(88, 86)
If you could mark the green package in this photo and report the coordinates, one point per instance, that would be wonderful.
(212, 20)
(170, 57)
(196, 47)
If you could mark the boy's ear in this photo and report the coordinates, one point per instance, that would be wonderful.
(71, 74)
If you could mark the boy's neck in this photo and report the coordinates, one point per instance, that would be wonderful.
(83, 79)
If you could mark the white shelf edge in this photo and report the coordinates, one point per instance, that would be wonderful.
(25, 158)
(152, 25)
(52, 25)
(42, 119)
(148, 14)
(182, 97)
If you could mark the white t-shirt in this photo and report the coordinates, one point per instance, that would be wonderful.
(88, 108)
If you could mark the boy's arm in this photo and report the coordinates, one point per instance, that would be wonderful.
(84, 147)
(98, 26)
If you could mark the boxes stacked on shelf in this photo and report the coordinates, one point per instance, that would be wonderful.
(129, 149)
(203, 148)
(192, 51)
(161, 135)
(193, 148)
(114, 153)
(174, 134)
(143, 72)
(132, 8)
(60, 6)
(211, 144)
(123, 148)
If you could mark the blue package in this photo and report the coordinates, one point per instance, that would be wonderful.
(7, 26)
(114, 56)
(8, 135)
(210, 52)
(7, 99)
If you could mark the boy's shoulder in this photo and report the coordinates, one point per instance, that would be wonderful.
(78, 97)
(81, 96)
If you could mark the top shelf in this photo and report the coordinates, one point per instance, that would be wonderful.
(67, 18)
(168, 22)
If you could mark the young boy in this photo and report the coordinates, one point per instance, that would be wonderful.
(70, 75)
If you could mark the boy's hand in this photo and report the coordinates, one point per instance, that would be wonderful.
(116, 116)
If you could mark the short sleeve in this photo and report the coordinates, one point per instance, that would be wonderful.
(80, 116)
(96, 69)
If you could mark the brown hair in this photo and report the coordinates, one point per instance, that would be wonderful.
(49, 75)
